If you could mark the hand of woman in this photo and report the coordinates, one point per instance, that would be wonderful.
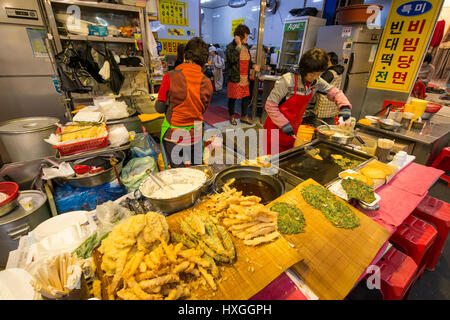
(237, 39)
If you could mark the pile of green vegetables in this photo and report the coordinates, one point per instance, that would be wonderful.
(334, 210)
(290, 218)
(356, 189)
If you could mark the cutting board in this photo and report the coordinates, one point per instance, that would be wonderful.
(254, 267)
(334, 258)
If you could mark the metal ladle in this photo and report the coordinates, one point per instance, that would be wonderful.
(158, 181)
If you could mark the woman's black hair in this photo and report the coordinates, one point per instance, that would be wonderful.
(428, 58)
(241, 30)
(180, 52)
(197, 51)
(314, 60)
(333, 58)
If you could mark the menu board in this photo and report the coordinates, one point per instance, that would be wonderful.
(403, 44)
(169, 46)
(173, 13)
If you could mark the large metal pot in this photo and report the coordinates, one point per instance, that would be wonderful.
(171, 205)
(19, 222)
(95, 179)
(265, 176)
(22, 139)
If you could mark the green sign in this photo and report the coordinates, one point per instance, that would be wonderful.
(294, 26)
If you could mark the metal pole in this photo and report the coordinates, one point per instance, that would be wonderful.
(259, 56)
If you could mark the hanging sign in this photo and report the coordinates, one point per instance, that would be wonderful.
(178, 32)
(405, 37)
(235, 23)
(173, 13)
(169, 46)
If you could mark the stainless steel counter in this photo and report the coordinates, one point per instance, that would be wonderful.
(427, 142)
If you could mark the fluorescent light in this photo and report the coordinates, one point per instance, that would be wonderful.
(216, 16)
(255, 8)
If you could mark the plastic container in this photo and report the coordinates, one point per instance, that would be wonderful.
(409, 108)
(419, 107)
(355, 13)
(433, 107)
(11, 189)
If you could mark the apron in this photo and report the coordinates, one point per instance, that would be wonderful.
(293, 109)
(166, 126)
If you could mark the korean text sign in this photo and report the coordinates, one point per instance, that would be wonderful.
(169, 46)
(405, 37)
(174, 13)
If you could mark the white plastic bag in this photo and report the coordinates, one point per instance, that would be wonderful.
(118, 135)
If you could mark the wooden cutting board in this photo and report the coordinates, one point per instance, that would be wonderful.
(254, 267)
(334, 258)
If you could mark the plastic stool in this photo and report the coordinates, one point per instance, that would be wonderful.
(442, 162)
(415, 237)
(397, 274)
(437, 213)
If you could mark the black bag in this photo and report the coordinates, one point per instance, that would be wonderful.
(74, 78)
(116, 77)
(308, 11)
(89, 63)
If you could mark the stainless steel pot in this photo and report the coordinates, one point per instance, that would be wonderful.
(252, 172)
(338, 139)
(171, 205)
(22, 139)
(99, 178)
(19, 222)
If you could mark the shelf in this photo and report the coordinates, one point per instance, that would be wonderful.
(96, 38)
(102, 5)
(153, 18)
(125, 68)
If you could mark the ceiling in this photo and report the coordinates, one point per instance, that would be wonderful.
(215, 3)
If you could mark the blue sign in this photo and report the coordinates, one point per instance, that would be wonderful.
(414, 8)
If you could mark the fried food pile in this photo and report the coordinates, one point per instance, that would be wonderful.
(136, 233)
(75, 132)
(357, 189)
(376, 170)
(143, 265)
(358, 176)
(201, 231)
(168, 272)
(244, 216)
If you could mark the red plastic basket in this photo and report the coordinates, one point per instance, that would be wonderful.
(11, 189)
(82, 146)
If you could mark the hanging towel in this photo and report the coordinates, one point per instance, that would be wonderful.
(438, 34)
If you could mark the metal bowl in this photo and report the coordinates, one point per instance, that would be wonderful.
(210, 176)
(7, 208)
(96, 179)
(252, 172)
(171, 205)
(321, 131)
(391, 127)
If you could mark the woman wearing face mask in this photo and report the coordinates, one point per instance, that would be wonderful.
(237, 67)
(290, 97)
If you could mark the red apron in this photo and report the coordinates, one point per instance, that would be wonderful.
(293, 109)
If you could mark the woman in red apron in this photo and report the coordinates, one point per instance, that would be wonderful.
(296, 90)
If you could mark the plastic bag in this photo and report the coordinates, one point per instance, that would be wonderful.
(118, 135)
(68, 198)
(143, 145)
(134, 172)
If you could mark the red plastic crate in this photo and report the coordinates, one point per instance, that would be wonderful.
(415, 237)
(397, 274)
(82, 146)
(437, 213)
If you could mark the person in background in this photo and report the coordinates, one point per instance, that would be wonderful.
(290, 97)
(217, 65)
(219, 51)
(426, 70)
(325, 109)
(183, 97)
(180, 55)
(237, 67)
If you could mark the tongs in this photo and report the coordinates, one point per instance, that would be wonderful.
(158, 181)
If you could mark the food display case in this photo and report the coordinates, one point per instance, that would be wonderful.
(299, 35)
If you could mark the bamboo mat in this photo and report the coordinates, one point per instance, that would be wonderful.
(334, 258)
(254, 267)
